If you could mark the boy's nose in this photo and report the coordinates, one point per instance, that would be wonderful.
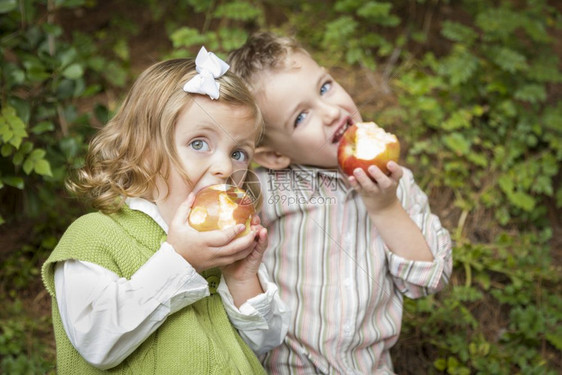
(330, 113)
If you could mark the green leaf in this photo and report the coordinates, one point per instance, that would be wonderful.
(555, 338)
(536, 29)
(440, 364)
(115, 74)
(64, 88)
(97, 63)
(12, 128)
(70, 147)
(508, 108)
(42, 127)
(36, 162)
(201, 5)
(338, 32)
(460, 66)
(378, 12)
(459, 119)
(73, 71)
(35, 70)
(91, 90)
(478, 159)
(545, 69)
(497, 24)
(28, 165)
(532, 93)
(506, 184)
(6, 150)
(14, 181)
(232, 38)
(186, 37)
(67, 56)
(19, 157)
(508, 59)
(354, 55)
(237, 10)
(43, 168)
(54, 30)
(457, 143)
(458, 32)
(522, 200)
(121, 49)
(7, 5)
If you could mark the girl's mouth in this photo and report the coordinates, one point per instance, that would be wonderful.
(341, 130)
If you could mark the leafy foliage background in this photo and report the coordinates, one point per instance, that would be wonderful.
(471, 87)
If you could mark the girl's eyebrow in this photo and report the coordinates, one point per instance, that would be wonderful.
(245, 142)
(200, 128)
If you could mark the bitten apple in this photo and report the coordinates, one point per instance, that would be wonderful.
(364, 144)
(221, 206)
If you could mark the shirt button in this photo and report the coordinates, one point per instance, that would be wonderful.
(213, 282)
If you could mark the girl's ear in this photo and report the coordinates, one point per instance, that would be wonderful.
(269, 158)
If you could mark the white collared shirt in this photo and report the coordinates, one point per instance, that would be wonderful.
(106, 317)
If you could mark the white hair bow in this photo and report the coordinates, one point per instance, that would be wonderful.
(209, 67)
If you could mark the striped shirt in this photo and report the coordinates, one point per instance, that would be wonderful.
(343, 285)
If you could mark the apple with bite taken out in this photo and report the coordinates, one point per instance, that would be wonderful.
(364, 144)
(221, 206)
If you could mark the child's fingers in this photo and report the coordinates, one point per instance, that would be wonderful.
(237, 249)
(262, 241)
(256, 255)
(376, 174)
(221, 237)
(364, 181)
(396, 171)
(256, 220)
(180, 217)
(353, 182)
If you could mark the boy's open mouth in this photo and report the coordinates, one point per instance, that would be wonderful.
(339, 132)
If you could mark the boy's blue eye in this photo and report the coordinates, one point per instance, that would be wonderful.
(300, 118)
(325, 88)
(199, 145)
(240, 156)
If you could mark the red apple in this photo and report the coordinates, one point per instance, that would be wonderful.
(221, 206)
(364, 144)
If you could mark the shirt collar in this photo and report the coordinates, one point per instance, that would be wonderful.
(149, 208)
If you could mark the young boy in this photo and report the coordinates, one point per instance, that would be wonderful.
(343, 250)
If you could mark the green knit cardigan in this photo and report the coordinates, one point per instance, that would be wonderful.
(198, 339)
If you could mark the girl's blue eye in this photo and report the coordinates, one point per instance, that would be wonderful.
(199, 145)
(300, 118)
(240, 156)
(325, 88)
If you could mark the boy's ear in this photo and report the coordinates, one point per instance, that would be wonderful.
(269, 158)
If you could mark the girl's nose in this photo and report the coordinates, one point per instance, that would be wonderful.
(221, 166)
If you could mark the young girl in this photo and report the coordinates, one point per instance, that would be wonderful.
(135, 289)
(343, 251)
